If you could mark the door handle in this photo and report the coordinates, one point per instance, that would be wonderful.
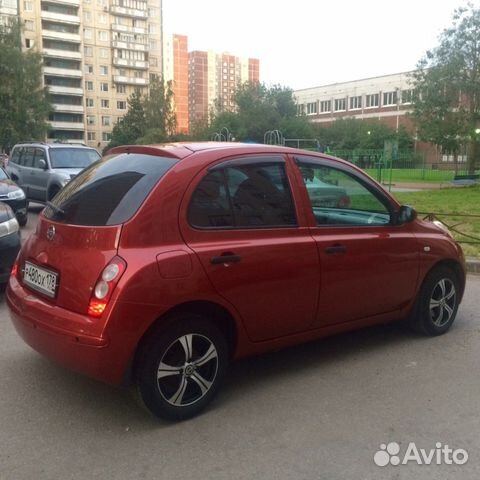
(337, 248)
(225, 258)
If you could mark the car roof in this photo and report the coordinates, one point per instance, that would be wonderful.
(182, 150)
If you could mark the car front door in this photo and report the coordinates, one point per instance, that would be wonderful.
(239, 217)
(39, 176)
(368, 266)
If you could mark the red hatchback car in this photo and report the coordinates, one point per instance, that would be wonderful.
(157, 265)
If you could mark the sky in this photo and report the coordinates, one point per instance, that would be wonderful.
(307, 43)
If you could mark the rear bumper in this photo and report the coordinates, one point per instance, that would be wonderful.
(58, 334)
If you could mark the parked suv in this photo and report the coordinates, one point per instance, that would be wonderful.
(159, 264)
(42, 170)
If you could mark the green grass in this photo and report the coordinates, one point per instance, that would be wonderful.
(413, 175)
(454, 202)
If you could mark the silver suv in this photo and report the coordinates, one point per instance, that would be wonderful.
(42, 170)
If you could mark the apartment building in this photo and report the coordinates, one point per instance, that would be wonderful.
(96, 52)
(213, 79)
(175, 69)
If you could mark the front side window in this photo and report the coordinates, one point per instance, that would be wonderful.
(340, 199)
(243, 195)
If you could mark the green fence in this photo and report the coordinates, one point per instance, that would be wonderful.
(402, 166)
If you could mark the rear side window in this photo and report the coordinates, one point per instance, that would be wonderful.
(15, 158)
(110, 191)
(252, 195)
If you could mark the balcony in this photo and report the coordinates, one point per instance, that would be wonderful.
(122, 62)
(116, 27)
(67, 125)
(61, 107)
(60, 17)
(74, 3)
(60, 90)
(128, 12)
(139, 47)
(130, 80)
(66, 37)
(62, 72)
(50, 52)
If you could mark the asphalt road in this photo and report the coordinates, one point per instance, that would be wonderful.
(318, 411)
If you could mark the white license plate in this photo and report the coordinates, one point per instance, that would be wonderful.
(40, 279)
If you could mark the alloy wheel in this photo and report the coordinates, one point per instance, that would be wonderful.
(443, 302)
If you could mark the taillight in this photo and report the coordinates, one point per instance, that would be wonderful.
(14, 271)
(105, 286)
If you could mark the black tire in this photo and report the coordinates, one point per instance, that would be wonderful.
(187, 391)
(437, 305)
(22, 220)
(53, 191)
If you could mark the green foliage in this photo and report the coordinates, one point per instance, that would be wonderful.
(24, 104)
(149, 119)
(259, 109)
(447, 85)
(350, 134)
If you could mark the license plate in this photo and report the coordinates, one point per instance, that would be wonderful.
(40, 279)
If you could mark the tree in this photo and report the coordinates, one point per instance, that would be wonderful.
(24, 104)
(259, 109)
(447, 87)
(149, 119)
(132, 125)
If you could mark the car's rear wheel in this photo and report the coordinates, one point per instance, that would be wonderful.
(437, 304)
(180, 369)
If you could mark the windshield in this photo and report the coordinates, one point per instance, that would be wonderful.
(110, 191)
(73, 157)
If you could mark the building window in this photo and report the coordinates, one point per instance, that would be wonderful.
(87, 33)
(87, 16)
(28, 25)
(105, 103)
(91, 136)
(325, 106)
(340, 104)
(102, 18)
(389, 98)
(106, 136)
(152, 28)
(356, 102)
(88, 68)
(88, 51)
(371, 100)
(28, 6)
(122, 105)
(311, 108)
(29, 43)
(103, 35)
(106, 121)
(90, 119)
(88, 85)
(104, 53)
(153, 61)
(301, 109)
(103, 70)
(121, 89)
(407, 96)
(89, 102)
(104, 87)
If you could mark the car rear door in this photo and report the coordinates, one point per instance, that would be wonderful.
(239, 217)
(368, 266)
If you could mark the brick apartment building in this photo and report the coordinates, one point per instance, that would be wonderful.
(213, 79)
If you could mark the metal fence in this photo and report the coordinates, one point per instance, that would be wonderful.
(403, 166)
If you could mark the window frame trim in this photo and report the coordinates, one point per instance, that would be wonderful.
(244, 160)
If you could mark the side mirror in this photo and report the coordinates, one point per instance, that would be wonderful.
(405, 214)
(42, 164)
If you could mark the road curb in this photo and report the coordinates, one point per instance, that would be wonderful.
(473, 265)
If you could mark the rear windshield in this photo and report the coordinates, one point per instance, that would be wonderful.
(73, 157)
(108, 192)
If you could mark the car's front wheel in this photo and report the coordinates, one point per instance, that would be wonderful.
(181, 368)
(437, 303)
